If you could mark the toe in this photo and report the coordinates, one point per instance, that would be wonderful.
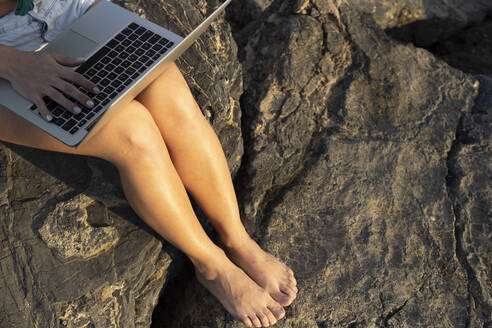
(281, 298)
(271, 317)
(290, 283)
(247, 322)
(292, 279)
(290, 292)
(264, 319)
(277, 311)
(254, 319)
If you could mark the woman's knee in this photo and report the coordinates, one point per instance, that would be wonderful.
(169, 93)
(131, 134)
(186, 107)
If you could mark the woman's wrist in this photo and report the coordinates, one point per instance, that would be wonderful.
(7, 58)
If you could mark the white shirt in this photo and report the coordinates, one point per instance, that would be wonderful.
(42, 24)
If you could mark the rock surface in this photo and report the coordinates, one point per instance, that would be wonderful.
(422, 22)
(469, 50)
(73, 253)
(470, 188)
(366, 167)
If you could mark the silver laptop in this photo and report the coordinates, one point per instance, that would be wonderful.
(124, 52)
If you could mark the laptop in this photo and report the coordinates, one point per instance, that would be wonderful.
(124, 53)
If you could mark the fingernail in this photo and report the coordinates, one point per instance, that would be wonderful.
(90, 103)
(80, 58)
(48, 117)
(96, 90)
(77, 109)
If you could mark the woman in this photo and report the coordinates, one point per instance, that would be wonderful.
(157, 143)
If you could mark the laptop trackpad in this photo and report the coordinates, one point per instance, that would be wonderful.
(71, 44)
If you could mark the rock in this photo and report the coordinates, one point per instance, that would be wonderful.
(74, 254)
(469, 50)
(350, 148)
(470, 188)
(425, 22)
(422, 22)
(240, 13)
(389, 14)
(284, 106)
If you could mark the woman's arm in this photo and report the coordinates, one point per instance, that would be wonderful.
(7, 55)
(36, 74)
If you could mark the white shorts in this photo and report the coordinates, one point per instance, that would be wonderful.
(42, 24)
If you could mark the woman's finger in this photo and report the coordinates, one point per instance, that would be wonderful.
(60, 98)
(72, 91)
(45, 113)
(81, 80)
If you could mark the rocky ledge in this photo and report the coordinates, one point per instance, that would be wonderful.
(361, 160)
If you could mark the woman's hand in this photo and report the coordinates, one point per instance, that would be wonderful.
(38, 74)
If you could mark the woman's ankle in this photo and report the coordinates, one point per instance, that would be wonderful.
(209, 265)
(234, 240)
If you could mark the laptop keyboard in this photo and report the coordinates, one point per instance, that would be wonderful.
(112, 68)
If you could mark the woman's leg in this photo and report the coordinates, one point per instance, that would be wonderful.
(133, 143)
(200, 161)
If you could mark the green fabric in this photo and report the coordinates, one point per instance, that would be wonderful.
(23, 7)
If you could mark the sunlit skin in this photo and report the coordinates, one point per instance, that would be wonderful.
(162, 145)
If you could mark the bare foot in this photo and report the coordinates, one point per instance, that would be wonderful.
(265, 269)
(241, 296)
